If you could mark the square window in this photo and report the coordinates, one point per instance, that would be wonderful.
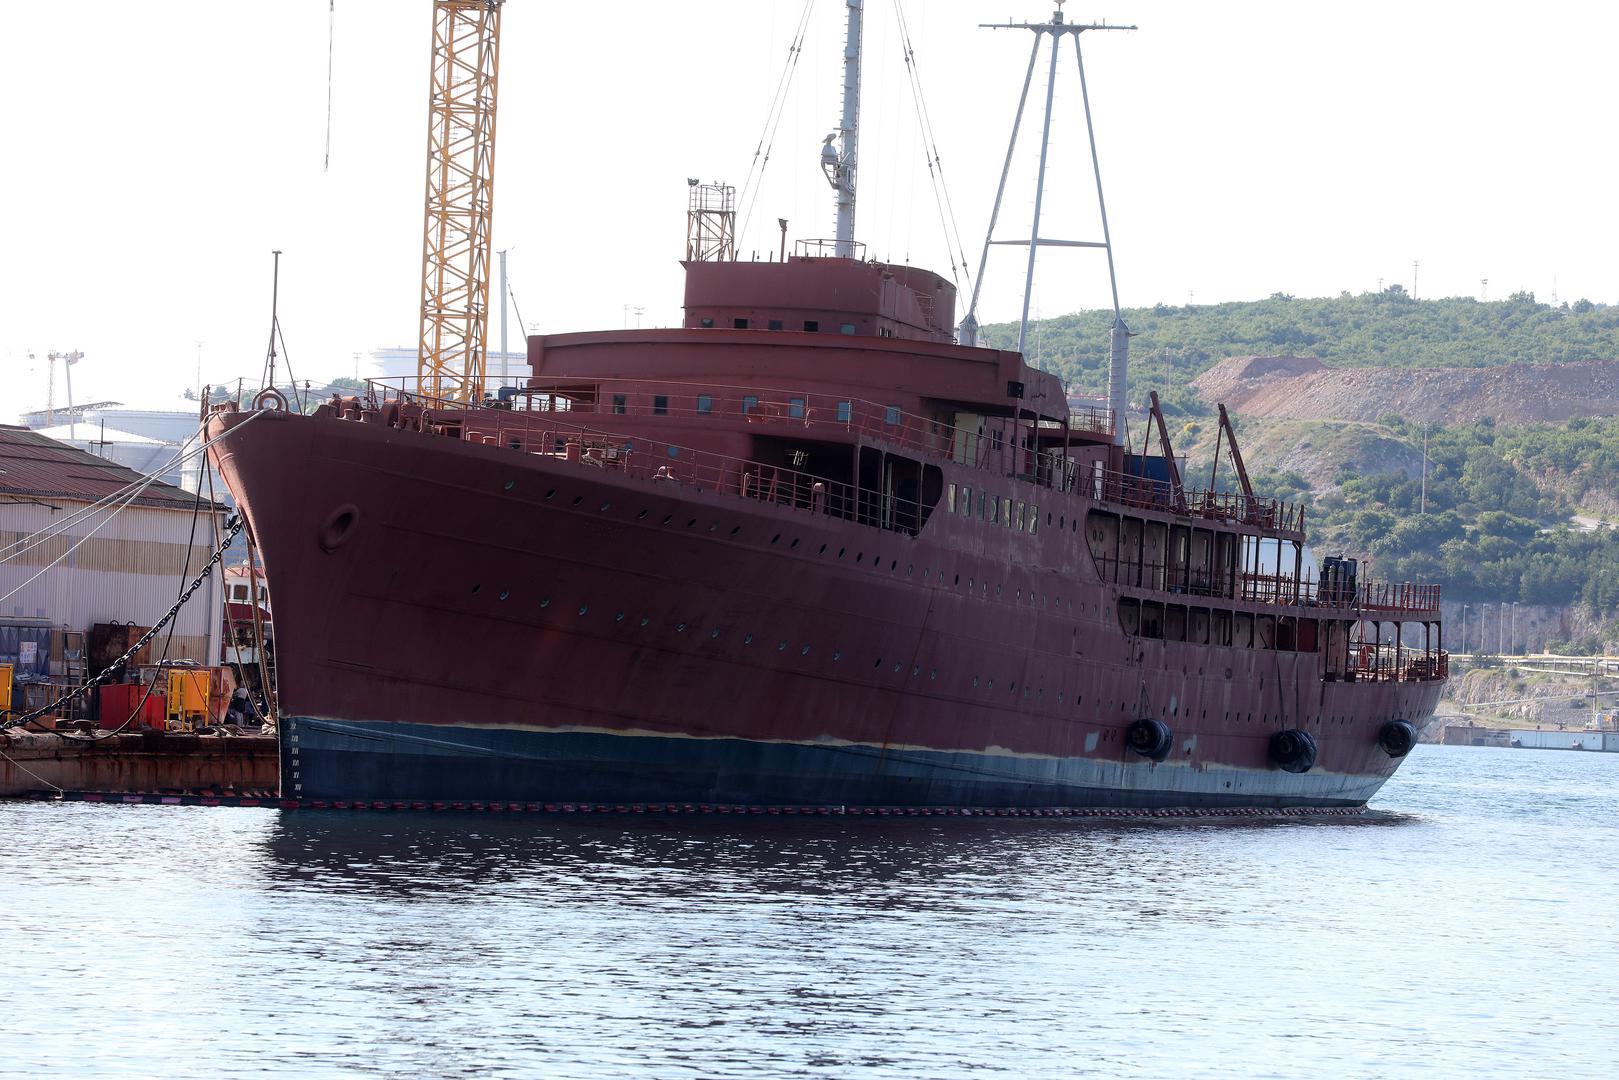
(795, 408)
(749, 403)
(845, 410)
(706, 322)
(891, 416)
(950, 497)
(775, 324)
(660, 404)
(811, 325)
(620, 403)
(739, 324)
(705, 403)
(846, 328)
(966, 501)
(1034, 519)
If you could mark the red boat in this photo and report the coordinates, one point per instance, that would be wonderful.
(805, 550)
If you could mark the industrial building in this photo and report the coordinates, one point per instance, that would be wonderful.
(100, 567)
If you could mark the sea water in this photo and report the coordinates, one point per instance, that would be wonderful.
(1465, 927)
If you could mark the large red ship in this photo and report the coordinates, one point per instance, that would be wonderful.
(806, 549)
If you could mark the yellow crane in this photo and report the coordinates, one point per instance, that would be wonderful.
(460, 199)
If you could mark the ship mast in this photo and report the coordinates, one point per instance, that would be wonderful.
(839, 164)
(1119, 347)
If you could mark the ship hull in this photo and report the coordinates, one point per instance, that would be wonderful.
(458, 622)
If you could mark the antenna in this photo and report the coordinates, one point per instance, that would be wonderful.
(1119, 349)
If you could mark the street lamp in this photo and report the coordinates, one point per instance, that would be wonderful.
(1464, 628)
(1513, 641)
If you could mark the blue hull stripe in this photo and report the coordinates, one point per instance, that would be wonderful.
(336, 760)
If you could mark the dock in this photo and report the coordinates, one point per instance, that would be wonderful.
(156, 762)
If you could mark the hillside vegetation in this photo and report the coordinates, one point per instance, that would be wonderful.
(1173, 345)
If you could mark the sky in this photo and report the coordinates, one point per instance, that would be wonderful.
(158, 156)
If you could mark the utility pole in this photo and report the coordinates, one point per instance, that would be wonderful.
(1423, 508)
(1414, 265)
(1500, 629)
(1484, 290)
(504, 304)
(1464, 628)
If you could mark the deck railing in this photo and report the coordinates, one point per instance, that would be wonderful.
(1277, 589)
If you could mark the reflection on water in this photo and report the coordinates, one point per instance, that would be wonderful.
(1448, 932)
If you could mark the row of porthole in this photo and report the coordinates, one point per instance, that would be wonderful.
(876, 562)
(916, 669)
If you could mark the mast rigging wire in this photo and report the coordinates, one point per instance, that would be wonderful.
(941, 190)
(773, 115)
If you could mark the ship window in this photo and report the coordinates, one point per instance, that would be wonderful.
(995, 440)
(966, 501)
(891, 416)
(707, 323)
(844, 410)
(795, 408)
(1034, 519)
(660, 404)
(846, 328)
(950, 498)
(705, 403)
(1022, 514)
(775, 324)
(620, 403)
(238, 592)
(811, 325)
(739, 324)
(992, 513)
(749, 403)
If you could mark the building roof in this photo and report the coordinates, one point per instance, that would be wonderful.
(85, 431)
(34, 465)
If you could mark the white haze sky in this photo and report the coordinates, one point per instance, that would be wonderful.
(154, 157)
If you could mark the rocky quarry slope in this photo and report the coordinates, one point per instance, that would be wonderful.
(1302, 387)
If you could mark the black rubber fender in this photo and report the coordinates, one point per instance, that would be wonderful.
(1397, 738)
(1149, 737)
(1293, 750)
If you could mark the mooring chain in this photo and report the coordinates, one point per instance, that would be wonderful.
(233, 525)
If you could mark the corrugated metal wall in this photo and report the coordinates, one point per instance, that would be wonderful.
(130, 571)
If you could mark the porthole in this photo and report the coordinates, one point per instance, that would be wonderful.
(546, 602)
(680, 628)
(714, 526)
(619, 617)
(879, 663)
(916, 669)
(551, 494)
(969, 583)
(804, 651)
(909, 567)
(841, 551)
(577, 499)
(690, 523)
(667, 518)
(583, 608)
(475, 589)
(504, 593)
(957, 581)
(781, 646)
(606, 506)
(822, 551)
(735, 529)
(641, 515)
(645, 621)
(933, 674)
(896, 668)
(837, 656)
(748, 640)
(991, 684)
(893, 565)
(975, 681)
(712, 634)
(510, 484)
(859, 557)
(776, 538)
